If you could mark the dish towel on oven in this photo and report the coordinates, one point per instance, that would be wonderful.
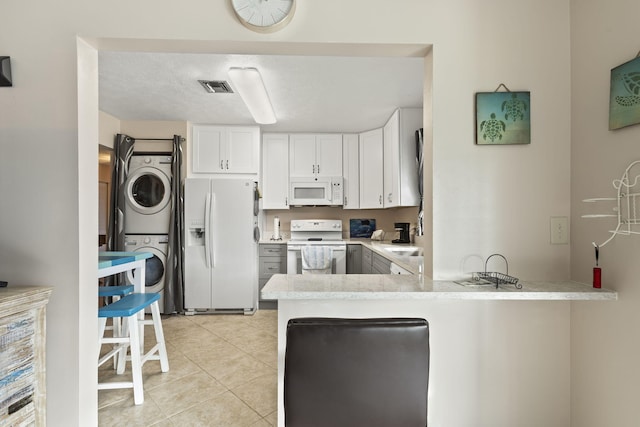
(316, 259)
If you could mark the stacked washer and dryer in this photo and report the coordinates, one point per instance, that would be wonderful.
(148, 214)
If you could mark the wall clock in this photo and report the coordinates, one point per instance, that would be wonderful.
(264, 16)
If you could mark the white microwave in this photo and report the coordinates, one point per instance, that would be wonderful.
(318, 191)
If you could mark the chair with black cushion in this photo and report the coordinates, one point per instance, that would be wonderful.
(356, 372)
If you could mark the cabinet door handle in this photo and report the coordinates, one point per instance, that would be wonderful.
(227, 164)
(380, 199)
(314, 168)
(221, 164)
(390, 198)
(318, 168)
(345, 200)
(286, 201)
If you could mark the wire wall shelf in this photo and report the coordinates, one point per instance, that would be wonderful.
(626, 204)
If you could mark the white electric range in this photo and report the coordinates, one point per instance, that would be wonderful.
(324, 232)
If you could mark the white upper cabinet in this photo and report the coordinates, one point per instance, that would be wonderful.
(312, 155)
(302, 155)
(275, 171)
(400, 166)
(329, 154)
(371, 169)
(351, 171)
(225, 149)
(391, 164)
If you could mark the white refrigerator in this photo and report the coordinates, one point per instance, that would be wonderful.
(221, 245)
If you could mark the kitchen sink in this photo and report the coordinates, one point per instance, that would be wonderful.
(403, 250)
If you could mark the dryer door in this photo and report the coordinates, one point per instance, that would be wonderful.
(148, 190)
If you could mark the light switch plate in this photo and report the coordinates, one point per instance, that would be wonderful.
(559, 226)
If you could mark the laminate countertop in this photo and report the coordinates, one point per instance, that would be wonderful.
(417, 287)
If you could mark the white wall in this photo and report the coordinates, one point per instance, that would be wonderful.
(491, 199)
(84, 295)
(108, 127)
(605, 346)
(154, 129)
(486, 199)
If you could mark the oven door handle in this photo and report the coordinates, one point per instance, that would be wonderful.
(299, 248)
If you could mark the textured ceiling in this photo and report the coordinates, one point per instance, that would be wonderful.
(308, 93)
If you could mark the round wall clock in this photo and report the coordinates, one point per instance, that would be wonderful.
(264, 16)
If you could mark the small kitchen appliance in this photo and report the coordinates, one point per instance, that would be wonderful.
(324, 232)
(316, 191)
(402, 232)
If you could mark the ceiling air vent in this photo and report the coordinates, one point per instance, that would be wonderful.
(216, 86)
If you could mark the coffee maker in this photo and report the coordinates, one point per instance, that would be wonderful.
(402, 232)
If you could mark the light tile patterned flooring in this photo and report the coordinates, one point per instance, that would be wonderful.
(223, 372)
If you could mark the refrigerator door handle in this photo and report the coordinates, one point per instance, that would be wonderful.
(211, 218)
(207, 230)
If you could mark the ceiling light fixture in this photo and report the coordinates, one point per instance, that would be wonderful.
(249, 85)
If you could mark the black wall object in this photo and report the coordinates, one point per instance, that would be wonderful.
(5, 71)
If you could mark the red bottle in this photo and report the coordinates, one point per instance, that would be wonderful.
(597, 277)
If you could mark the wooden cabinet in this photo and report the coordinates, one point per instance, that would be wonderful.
(275, 171)
(371, 169)
(22, 346)
(225, 149)
(351, 171)
(400, 167)
(272, 260)
(314, 155)
(374, 263)
(380, 264)
(367, 260)
(354, 259)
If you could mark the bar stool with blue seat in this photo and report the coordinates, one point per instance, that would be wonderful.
(356, 372)
(128, 308)
(114, 293)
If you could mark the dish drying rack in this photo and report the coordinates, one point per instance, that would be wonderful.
(627, 204)
(492, 277)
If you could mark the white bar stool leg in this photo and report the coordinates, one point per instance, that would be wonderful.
(122, 353)
(102, 326)
(157, 328)
(136, 366)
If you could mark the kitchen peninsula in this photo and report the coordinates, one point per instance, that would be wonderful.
(499, 357)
